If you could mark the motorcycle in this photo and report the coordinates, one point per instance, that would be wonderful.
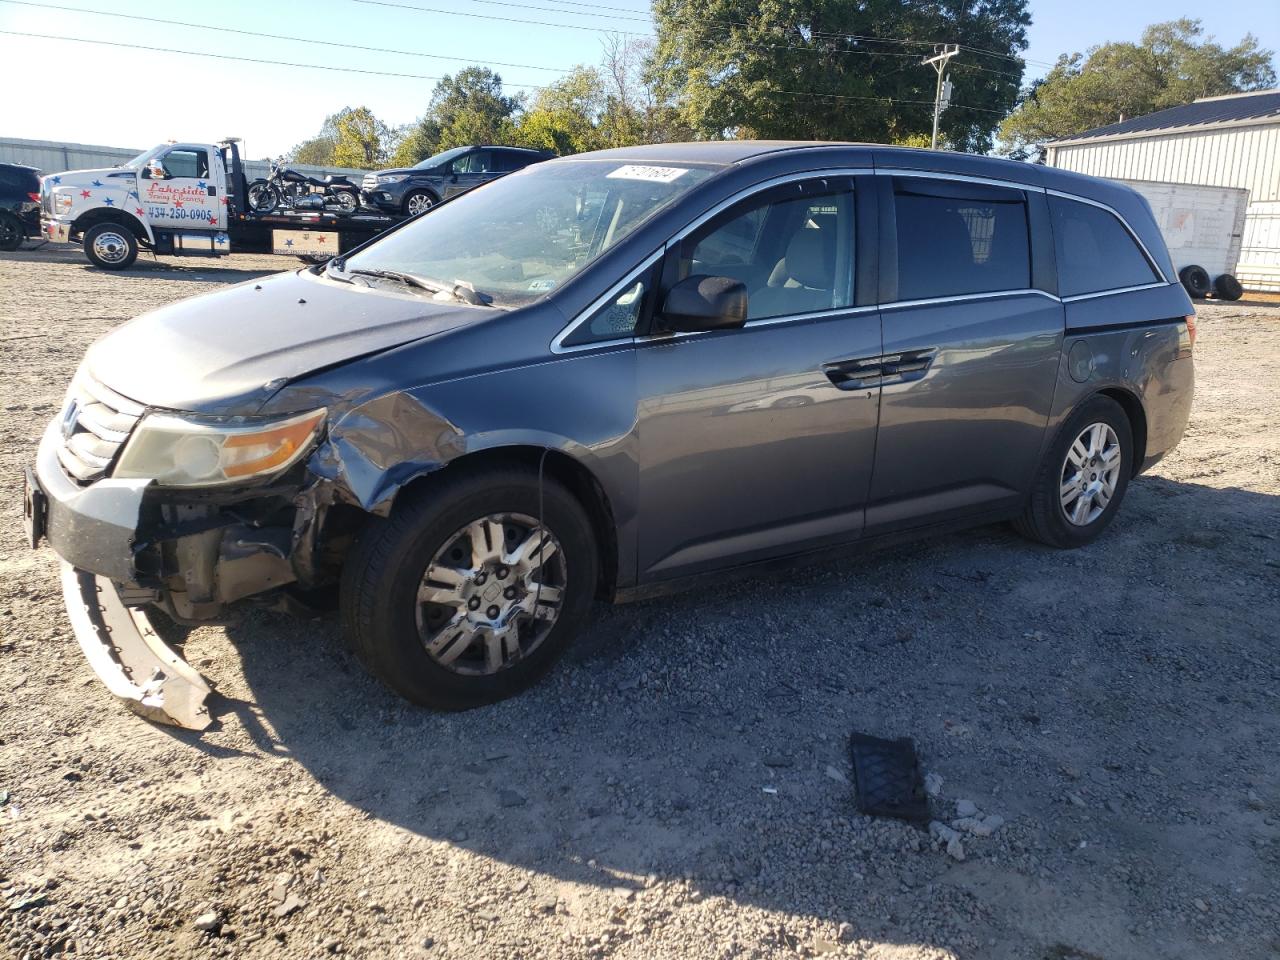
(287, 189)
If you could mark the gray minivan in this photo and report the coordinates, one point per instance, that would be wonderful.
(602, 376)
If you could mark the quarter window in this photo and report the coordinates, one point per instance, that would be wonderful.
(617, 319)
(957, 239)
(1095, 251)
(792, 246)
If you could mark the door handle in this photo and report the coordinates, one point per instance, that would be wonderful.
(856, 374)
(909, 366)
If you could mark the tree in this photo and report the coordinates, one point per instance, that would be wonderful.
(811, 68)
(564, 115)
(1168, 67)
(363, 139)
(467, 108)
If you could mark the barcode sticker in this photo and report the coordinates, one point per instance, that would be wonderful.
(635, 171)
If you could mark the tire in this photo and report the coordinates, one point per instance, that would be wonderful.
(347, 201)
(110, 246)
(382, 609)
(262, 196)
(1045, 518)
(1227, 287)
(12, 232)
(413, 200)
(315, 259)
(1196, 281)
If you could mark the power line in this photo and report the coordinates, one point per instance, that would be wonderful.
(275, 36)
(407, 76)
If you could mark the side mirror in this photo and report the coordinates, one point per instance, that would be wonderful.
(155, 170)
(705, 303)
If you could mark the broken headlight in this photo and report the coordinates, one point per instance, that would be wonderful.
(176, 452)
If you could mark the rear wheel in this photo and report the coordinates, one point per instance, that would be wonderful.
(11, 231)
(463, 596)
(1082, 479)
(111, 246)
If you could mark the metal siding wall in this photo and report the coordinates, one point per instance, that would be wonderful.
(1259, 267)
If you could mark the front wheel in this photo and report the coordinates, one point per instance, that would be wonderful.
(347, 201)
(111, 246)
(263, 197)
(469, 591)
(1083, 477)
(418, 201)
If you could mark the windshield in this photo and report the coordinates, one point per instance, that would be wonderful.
(137, 162)
(439, 158)
(525, 234)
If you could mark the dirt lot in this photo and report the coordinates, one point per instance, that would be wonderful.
(676, 788)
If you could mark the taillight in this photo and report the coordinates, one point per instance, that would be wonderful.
(34, 196)
(1190, 321)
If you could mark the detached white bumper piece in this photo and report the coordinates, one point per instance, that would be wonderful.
(129, 656)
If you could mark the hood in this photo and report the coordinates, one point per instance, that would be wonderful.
(102, 175)
(226, 353)
(415, 171)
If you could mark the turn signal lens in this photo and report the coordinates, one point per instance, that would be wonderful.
(248, 454)
(1190, 321)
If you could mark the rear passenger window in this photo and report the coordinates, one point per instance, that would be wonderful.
(1095, 251)
(957, 239)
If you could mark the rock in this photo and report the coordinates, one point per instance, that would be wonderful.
(967, 824)
(208, 922)
(933, 784)
(428, 943)
(955, 849)
(990, 824)
(940, 830)
(836, 775)
(1200, 905)
(821, 946)
(1253, 800)
(510, 798)
(1075, 800)
(1114, 805)
(291, 904)
(966, 808)
(845, 933)
(279, 892)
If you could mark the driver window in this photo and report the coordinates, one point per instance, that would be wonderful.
(476, 162)
(792, 246)
(186, 162)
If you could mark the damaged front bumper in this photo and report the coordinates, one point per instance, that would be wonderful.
(126, 546)
(129, 657)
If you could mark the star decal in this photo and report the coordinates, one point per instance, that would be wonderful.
(85, 194)
(319, 239)
(133, 195)
(224, 201)
(288, 243)
(108, 201)
(219, 239)
(96, 183)
(177, 203)
(55, 180)
(201, 184)
(138, 211)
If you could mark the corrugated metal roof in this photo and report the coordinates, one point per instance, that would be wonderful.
(1239, 107)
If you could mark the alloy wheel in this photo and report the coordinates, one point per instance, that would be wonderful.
(1090, 473)
(419, 203)
(491, 594)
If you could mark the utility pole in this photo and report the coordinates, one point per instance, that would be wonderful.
(941, 99)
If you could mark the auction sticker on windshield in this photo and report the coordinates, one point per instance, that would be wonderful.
(635, 171)
(313, 243)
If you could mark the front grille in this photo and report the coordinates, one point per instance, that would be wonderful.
(95, 424)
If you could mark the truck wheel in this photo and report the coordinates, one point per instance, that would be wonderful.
(1227, 287)
(418, 201)
(111, 246)
(1195, 279)
(1083, 477)
(11, 231)
(462, 597)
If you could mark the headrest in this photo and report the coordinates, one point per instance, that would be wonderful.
(810, 260)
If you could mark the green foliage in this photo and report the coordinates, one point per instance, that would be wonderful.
(564, 116)
(352, 137)
(317, 151)
(1171, 65)
(803, 69)
(467, 108)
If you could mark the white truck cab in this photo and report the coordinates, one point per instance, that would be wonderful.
(172, 198)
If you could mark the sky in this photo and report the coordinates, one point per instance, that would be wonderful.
(62, 88)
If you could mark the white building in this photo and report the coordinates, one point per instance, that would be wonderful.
(1231, 141)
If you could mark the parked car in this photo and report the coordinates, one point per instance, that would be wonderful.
(19, 204)
(411, 190)
(582, 381)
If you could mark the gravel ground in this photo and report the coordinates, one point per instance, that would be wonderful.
(677, 787)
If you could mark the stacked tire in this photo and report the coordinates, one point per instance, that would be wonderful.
(1195, 279)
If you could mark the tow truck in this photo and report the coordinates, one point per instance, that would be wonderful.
(188, 199)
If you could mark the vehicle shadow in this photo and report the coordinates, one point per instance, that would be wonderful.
(207, 270)
(649, 749)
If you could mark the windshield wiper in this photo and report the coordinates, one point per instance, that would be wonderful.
(466, 291)
(408, 279)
